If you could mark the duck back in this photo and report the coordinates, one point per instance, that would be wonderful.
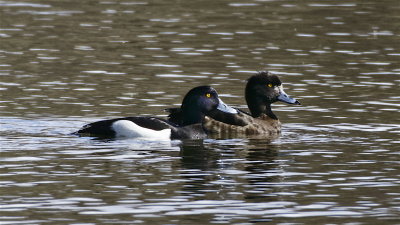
(262, 125)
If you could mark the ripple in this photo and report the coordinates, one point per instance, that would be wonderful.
(365, 127)
(103, 72)
(84, 89)
(162, 65)
(332, 5)
(21, 159)
(243, 4)
(58, 13)
(305, 35)
(221, 33)
(24, 4)
(180, 76)
(166, 20)
(338, 34)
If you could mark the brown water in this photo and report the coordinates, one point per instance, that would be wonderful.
(66, 63)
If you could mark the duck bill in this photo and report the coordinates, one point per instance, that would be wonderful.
(283, 97)
(225, 108)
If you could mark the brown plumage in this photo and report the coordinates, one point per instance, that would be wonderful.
(261, 91)
(261, 126)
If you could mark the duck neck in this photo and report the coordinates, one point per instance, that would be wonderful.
(192, 116)
(257, 107)
(268, 112)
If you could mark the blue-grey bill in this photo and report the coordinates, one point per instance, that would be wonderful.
(283, 97)
(225, 108)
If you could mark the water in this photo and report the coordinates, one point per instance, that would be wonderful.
(66, 63)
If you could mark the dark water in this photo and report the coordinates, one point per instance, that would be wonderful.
(66, 63)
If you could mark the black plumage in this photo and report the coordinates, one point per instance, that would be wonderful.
(197, 104)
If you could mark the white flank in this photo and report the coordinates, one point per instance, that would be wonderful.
(129, 129)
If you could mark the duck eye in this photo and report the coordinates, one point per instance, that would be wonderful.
(269, 85)
(208, 95)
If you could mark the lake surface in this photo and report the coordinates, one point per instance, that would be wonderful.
(67, 63)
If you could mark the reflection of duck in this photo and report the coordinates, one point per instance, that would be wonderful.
(264, 171)
(197, 103)
(218, 166)
(262, 90)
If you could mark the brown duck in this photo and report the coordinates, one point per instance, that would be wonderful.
(261, 91)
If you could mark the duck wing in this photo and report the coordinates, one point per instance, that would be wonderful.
(175, 115)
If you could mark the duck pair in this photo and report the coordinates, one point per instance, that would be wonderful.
(203, 113)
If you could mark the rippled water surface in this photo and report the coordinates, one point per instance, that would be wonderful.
(66, 63)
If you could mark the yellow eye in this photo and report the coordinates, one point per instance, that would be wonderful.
(269, 85)
(208, 95)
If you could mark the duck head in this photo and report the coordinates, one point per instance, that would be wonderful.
(201, 101)
(262, 90)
